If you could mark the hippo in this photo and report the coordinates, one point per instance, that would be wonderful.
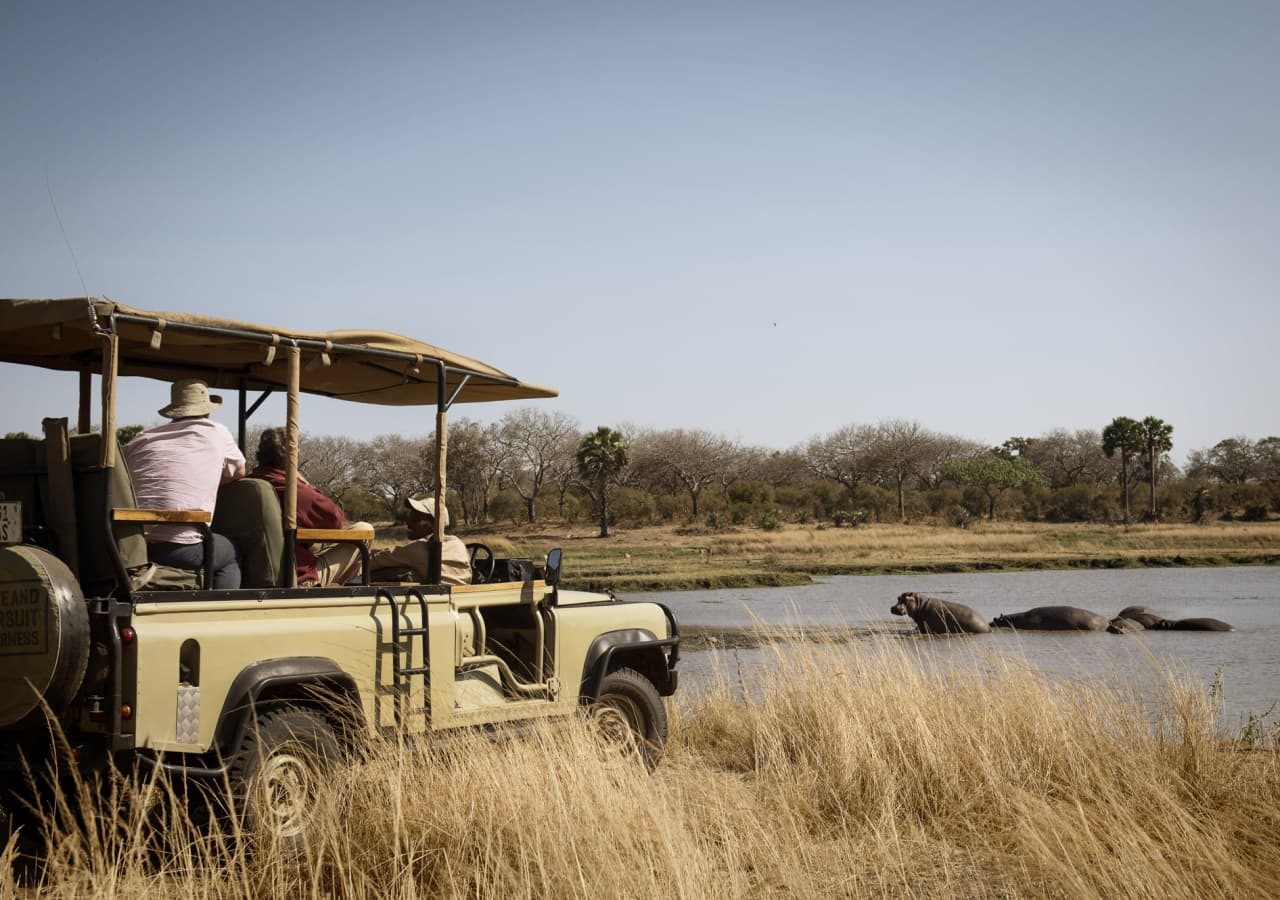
(1144, 615)
(1125, 625)
(1197, 625)
(933, 616)
(1052, 618)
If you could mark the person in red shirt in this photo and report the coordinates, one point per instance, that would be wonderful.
(333, 564)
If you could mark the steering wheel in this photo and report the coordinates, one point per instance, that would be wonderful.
(483, 563)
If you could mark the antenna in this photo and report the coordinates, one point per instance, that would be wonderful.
(61, 228)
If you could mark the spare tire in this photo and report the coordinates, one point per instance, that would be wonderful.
(44, 633)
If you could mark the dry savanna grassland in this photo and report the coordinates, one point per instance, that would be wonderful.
(848, 770)
(675, 558)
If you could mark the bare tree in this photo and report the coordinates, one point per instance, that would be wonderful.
(846, 456)
(395, 467)
(533, 444)
(902, 449)
(688, 460)
(330, 463)
(944, 449)
(1233, 460)
(1069, 458)
(564, 471)
(779, 467)
(475, 459)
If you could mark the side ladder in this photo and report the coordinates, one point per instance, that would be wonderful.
(405, 637)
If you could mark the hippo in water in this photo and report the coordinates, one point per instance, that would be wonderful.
(1125, 625)
(1150, 619)
(1052, 618)
(1144, 615)
(1197, 625)
(933, 616)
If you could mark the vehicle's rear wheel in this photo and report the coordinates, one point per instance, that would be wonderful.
(629, 712)
(277, 774)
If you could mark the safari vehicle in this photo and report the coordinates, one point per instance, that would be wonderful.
(145, 668)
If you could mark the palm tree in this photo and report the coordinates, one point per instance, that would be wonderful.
(1157, 438)
(1123, 434)
(602, 454)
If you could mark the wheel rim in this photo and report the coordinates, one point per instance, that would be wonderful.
(284, 788)
(618, 721)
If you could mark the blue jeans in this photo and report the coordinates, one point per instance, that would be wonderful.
(226, 562)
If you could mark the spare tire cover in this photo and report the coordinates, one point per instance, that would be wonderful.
(44, 633)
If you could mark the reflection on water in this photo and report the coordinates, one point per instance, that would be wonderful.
(1247, 660)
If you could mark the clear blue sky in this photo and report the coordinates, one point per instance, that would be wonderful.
(764, 219)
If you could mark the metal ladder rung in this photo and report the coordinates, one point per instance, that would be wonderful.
(403, 642)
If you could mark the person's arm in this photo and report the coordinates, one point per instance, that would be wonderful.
(233, 461)
(412, 555)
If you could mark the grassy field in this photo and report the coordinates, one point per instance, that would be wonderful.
(851, 771)
(672, 558)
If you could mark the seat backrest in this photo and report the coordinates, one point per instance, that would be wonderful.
(248, 512)
(97, 491)
(23, 477)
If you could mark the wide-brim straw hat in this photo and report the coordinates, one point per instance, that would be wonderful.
(190, 397)
(427, 506)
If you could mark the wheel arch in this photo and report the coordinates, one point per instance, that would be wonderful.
(630, 648)
(312, 682)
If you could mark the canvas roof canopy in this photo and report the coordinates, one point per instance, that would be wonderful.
(360, 365)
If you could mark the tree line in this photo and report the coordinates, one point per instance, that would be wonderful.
(533, 465)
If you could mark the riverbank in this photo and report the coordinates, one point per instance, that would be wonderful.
(681, 558)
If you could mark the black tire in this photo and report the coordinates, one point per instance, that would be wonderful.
(278, 772)
(628, 699)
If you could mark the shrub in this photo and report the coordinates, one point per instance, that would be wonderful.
(1071, 504)
(633, 505)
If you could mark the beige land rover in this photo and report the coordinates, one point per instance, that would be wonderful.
(145, 668)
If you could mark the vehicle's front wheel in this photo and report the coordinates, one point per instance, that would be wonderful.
(277, 774)
(628, 711)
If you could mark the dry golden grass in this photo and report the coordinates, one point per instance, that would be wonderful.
(855, 770)
(665, 558)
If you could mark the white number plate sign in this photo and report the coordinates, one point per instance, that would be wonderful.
(10, 521)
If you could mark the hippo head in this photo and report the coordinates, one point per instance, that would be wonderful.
(1001, 622)
(906, 603)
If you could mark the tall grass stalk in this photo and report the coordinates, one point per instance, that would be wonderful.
(849, 770)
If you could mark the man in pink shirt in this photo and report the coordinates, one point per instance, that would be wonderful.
(181, 465)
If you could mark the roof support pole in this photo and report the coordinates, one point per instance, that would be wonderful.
(435, 545)
(110, 360)
(241, 416)
(290, 507)
(84, 423)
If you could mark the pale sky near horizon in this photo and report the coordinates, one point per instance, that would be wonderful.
(763, 219)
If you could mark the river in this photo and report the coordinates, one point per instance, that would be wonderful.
(1245, 663)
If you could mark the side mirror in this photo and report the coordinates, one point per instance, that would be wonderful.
(552, 577)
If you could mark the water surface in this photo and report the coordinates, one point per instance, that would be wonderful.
(1245, 662)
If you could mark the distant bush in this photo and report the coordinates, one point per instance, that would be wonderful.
(1071, 504)
(634, 506)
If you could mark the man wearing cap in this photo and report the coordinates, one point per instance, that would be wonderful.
(181, 465)
(455, 562)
